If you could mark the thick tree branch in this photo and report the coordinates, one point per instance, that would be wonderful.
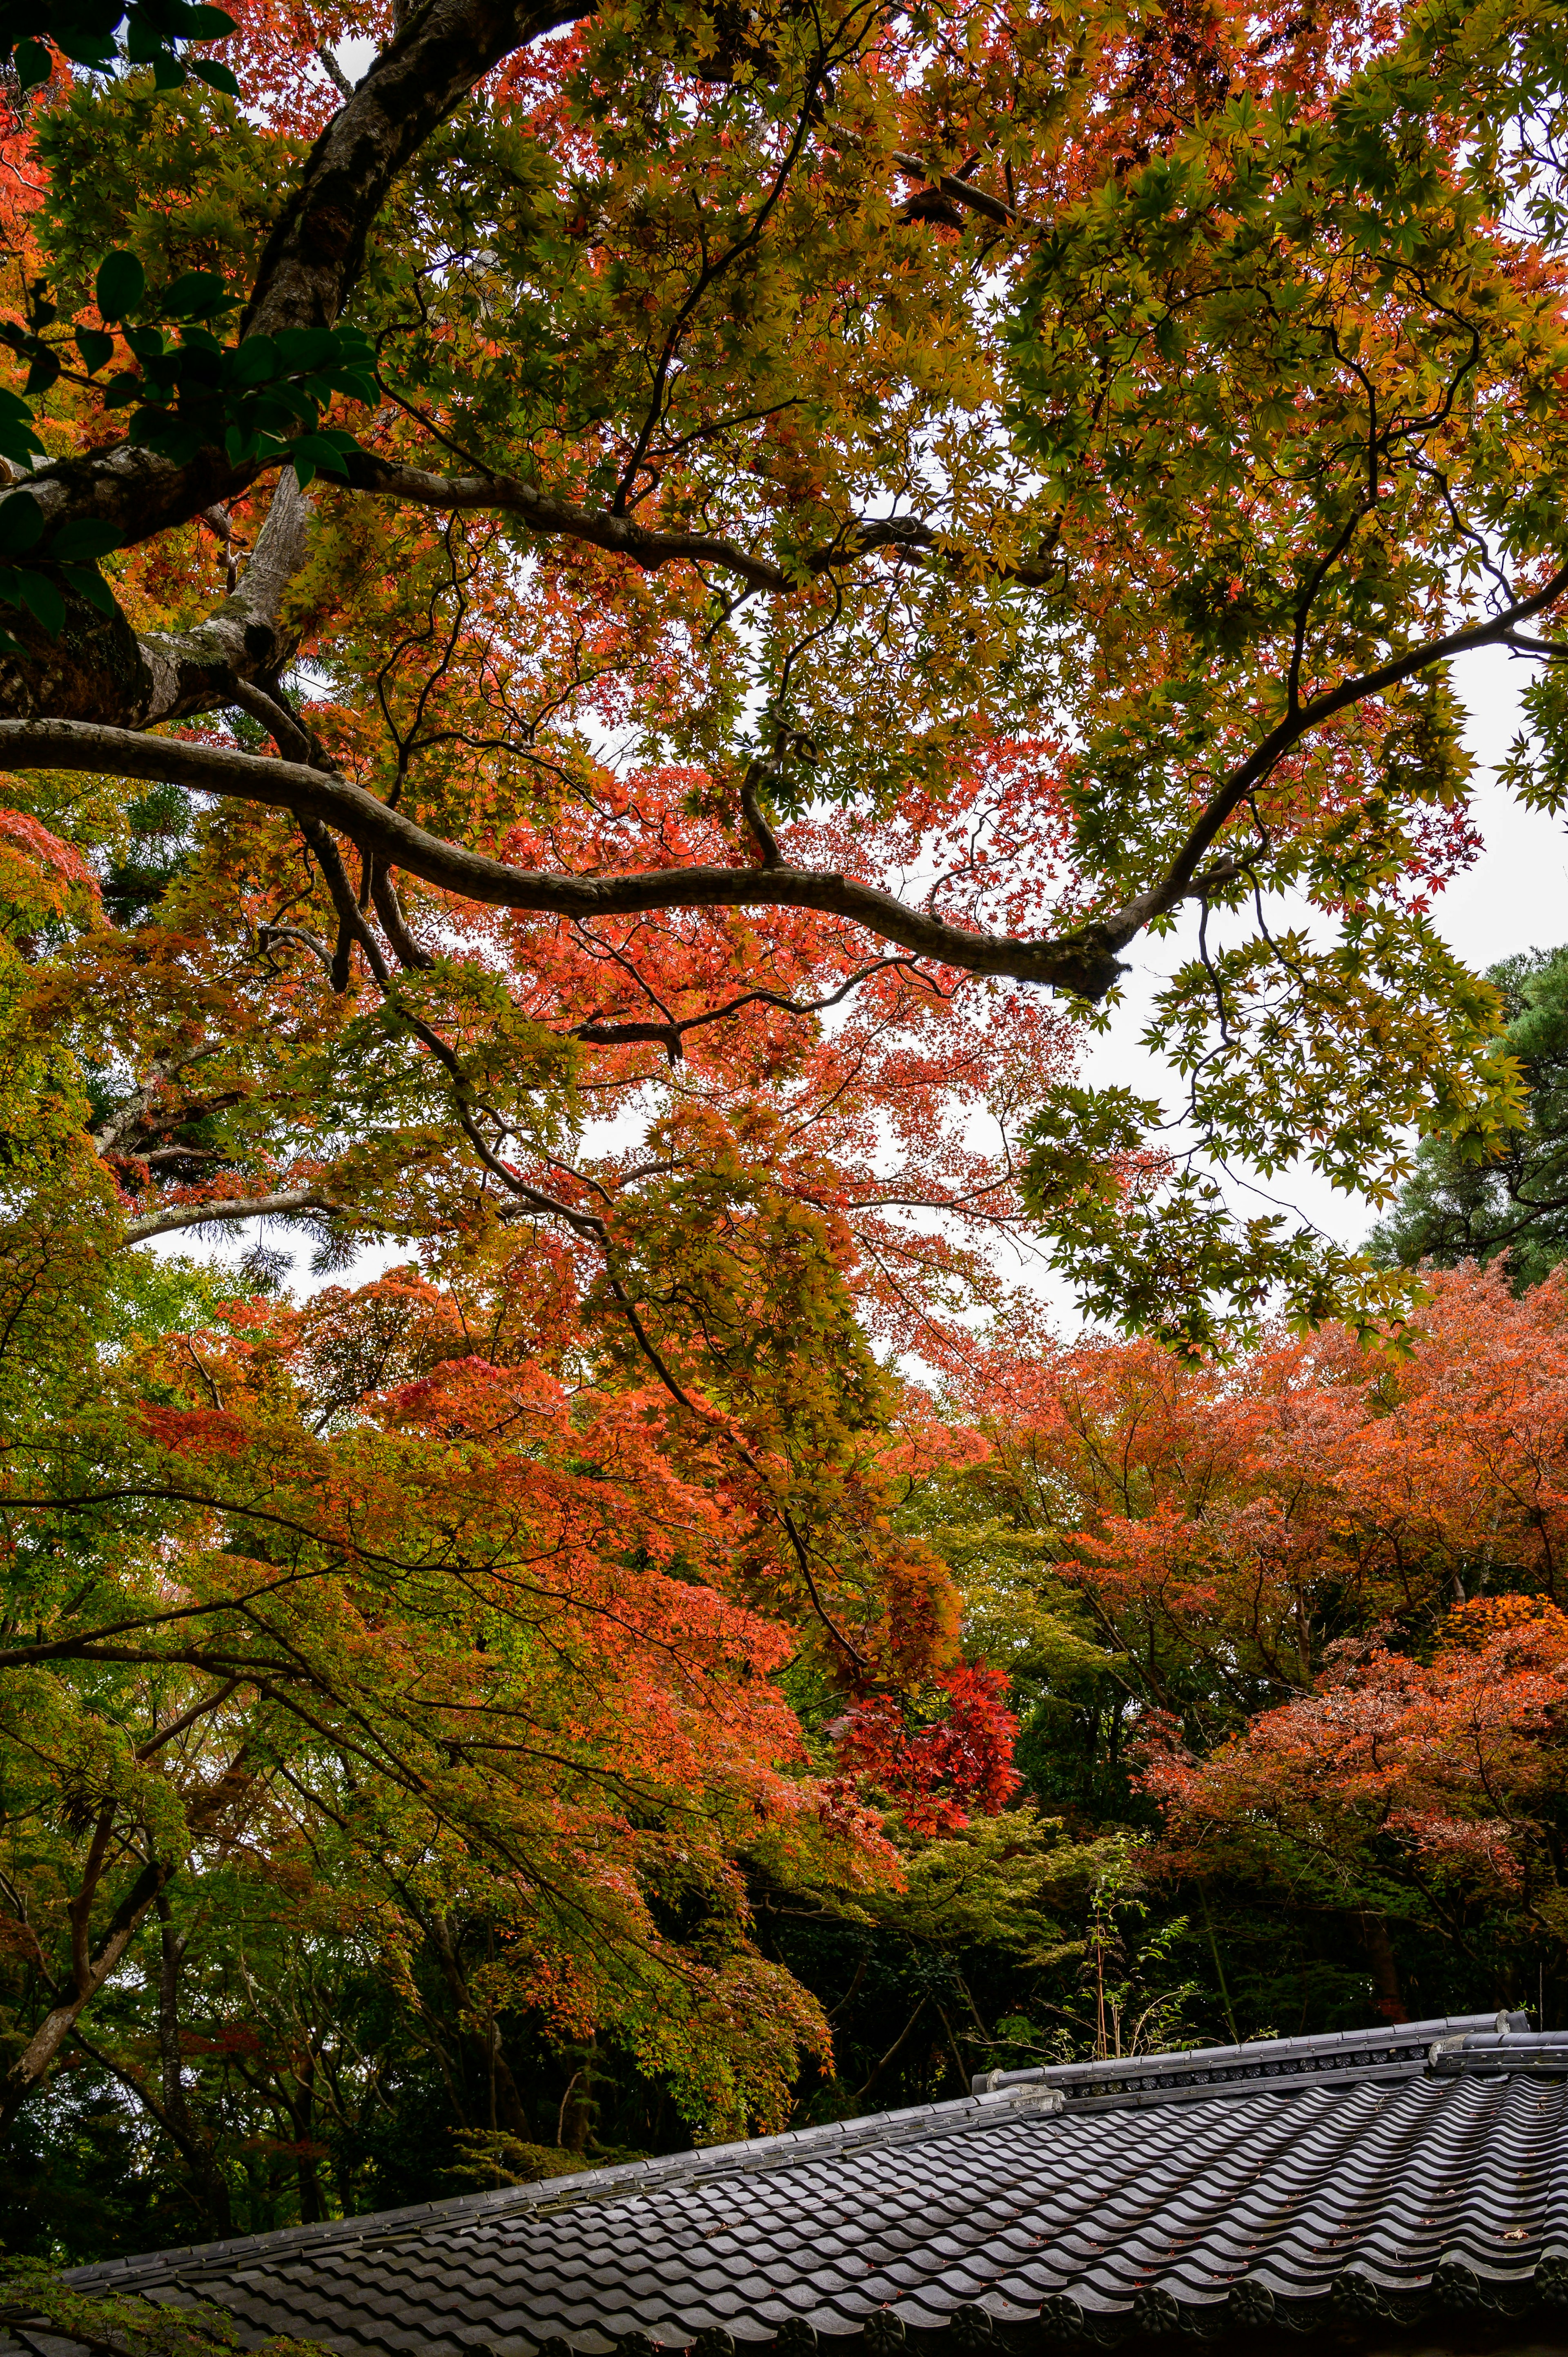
(224, 1212)
(110, 1136)
(334, 73)
(562, 518)
(288, 733)
(388, 910)
(959, 191)
(243, 640)
(1082, 961)
(89, 1973)
(762, 834)
(317, 251)
(99, 669)
(351, 925)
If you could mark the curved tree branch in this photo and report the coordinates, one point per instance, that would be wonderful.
(1082, 961)
(1182, 878)
(224, 1212)
(501, 494)
(317, 251)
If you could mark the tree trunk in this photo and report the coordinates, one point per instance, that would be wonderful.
(88, 1970)
(210, 2185)
(1385, 1971)
(578, 2109)
(311, 2207)
(510, 2113)
(89, 1973)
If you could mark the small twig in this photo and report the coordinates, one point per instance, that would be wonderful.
(561, 2117)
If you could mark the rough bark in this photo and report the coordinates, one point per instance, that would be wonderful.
(99, 670)
(318, 249)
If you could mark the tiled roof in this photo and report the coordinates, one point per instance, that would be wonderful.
(1379, 2176)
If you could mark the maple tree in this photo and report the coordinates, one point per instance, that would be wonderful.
(398, 1606)
(936, 1772)
(609, 632)
(594, 509)
(1309, 1604)
(1444, 1774)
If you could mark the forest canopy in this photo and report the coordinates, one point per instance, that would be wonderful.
(611, 630)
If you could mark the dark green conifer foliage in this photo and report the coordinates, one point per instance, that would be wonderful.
(1452, 1209)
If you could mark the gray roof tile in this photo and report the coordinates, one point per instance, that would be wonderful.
(1391, 2168)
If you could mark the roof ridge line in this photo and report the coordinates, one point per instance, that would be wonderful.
(630, 2177)
(1261, 2057)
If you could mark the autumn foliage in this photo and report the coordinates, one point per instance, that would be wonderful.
(610, 632)
(1447, 1763)
(1329, 1580)
(936, 1772)
(421, 1605)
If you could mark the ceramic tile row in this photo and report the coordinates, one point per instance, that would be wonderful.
(1292, 2188)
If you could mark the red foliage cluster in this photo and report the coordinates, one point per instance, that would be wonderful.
(1228, 1510)
(935, 1773)
(1447, 1759)
(1221, 1527)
